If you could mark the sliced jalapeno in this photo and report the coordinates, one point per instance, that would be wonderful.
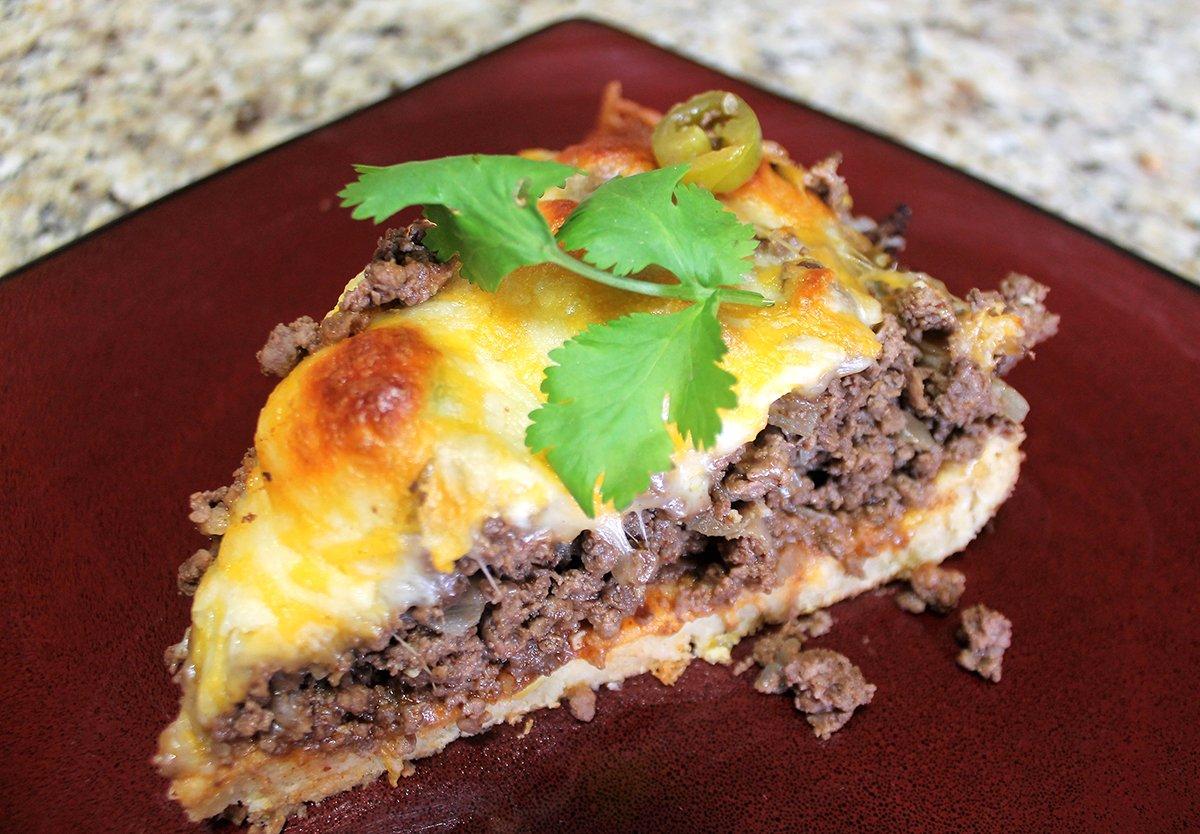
(717, 133)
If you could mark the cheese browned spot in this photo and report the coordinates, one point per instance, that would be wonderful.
(363, 396)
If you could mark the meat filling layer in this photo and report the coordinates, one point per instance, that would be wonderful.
(521, 604)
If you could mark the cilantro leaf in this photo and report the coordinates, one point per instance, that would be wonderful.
(631, 222)
(604, 414)
(485, 208)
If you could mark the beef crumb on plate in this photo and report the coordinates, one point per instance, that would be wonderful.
(985, 634)
(828, 688)
(933, 588)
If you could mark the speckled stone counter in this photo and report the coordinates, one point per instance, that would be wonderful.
(1087, 108)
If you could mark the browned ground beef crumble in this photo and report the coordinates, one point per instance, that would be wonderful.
(518, 606)
(402, 273)
(985, 635)
(933, 588)
(823, 180)
(827, 687)
(402, 270)
(887, 234)
(775, 648)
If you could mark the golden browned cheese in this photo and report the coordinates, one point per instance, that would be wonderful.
(380, 457)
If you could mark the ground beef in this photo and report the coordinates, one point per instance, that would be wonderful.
(367, 692)
(528, 628)
(286, 345)
(209, 511)
(985, 634)
(192, 570)
(403, 270)
(932, 587)
(888, 233)
(473, 717)
(824, 180)
(339, 325)
(289, 343)
(765, 466)
(865, 449)
(772, 651)
(921, 308)
(535, 606)
(968, 395)
(828, 687)
(1026, 298)
(749, 562)
(176, 655)
(861, 452)
(512, 552)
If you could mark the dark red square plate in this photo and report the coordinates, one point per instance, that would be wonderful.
(128, 379)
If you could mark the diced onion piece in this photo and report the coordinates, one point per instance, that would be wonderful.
(916, 432)
(1010, 403)
(463, 613)
(707, 524)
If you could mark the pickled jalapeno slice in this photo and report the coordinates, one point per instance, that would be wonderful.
(717, 134)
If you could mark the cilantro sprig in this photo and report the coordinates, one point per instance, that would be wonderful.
(613, 388)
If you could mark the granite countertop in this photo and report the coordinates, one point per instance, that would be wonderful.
(1091, 109)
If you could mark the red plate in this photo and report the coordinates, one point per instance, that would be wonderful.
(129, 380)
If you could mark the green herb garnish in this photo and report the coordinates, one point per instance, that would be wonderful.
(602, 422)
(604, 408)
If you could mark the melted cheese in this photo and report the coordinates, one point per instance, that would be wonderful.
(380, 457)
